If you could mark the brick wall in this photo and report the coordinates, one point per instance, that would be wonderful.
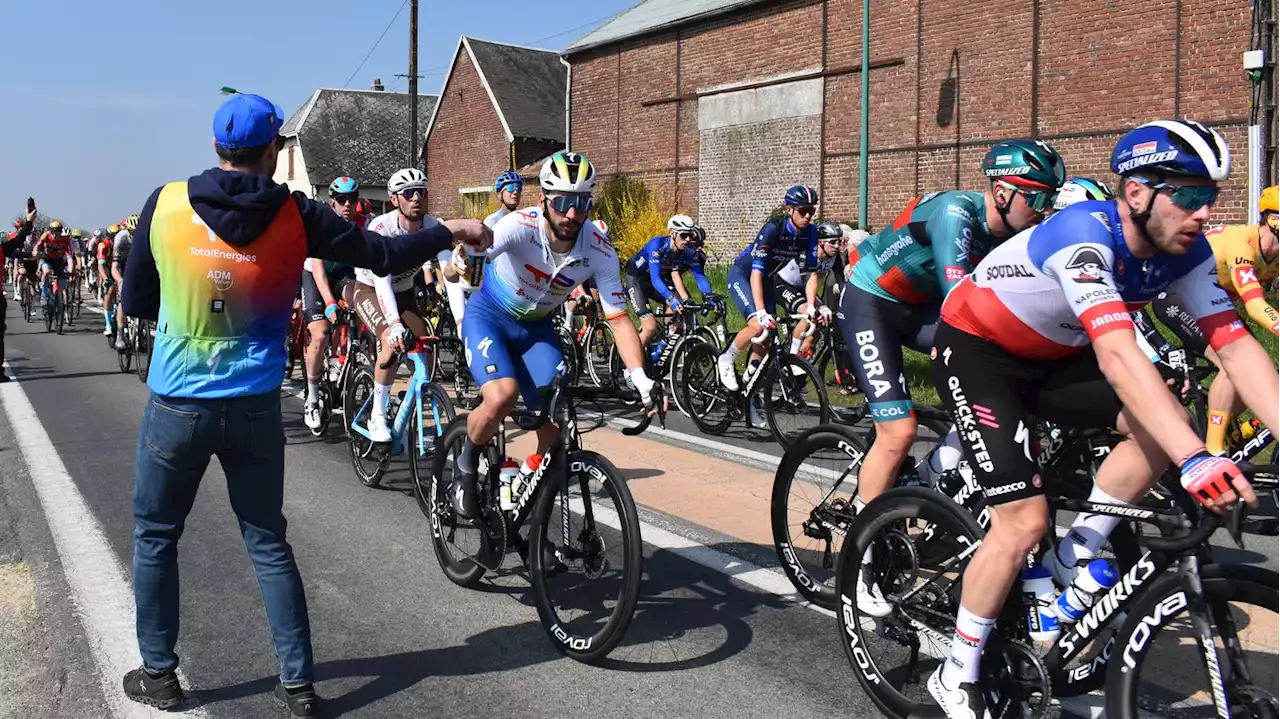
(467, 146)
(1100, 68)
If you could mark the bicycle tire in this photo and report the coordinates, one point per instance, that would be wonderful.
(435, 406)
(59, 315)
(857, 410)
(597, 353)
(142, 346)
(803, 578)
(360, 447)
(699, 382)
(676, 371)
(568, 353)
(786, 368)
(433, 500)
(1163, 602)
(584, 467)
(125, 359)
(894, 506)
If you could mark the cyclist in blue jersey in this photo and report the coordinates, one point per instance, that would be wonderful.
(899, 280)
(540, 254)
(750, 282)
(507, 187)
(657, 268)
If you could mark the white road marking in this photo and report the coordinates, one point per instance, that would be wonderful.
(103, 599)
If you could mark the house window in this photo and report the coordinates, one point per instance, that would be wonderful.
(290, 162)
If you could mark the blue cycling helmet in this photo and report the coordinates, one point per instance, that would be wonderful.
(507, 179)
(344, 186)
(1173, 147)
(801, 195)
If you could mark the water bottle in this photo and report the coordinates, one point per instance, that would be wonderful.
(475, 275)
(521, 480)
(1039, 593)
(656, 352)
(1092, 582)
(506, 478)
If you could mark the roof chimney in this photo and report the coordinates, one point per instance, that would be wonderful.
(377, 85)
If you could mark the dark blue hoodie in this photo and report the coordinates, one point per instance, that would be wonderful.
(238, 207)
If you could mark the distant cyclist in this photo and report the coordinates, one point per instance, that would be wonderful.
(119, 260)
(654, 273)
(898, 282)
(508, 187)
(53, 250)
(798, 283)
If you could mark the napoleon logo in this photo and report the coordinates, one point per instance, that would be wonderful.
(1088, 264)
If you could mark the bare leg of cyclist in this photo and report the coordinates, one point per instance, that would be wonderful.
(314, 363)
(648, 328)
(1124, 477)
(1223, 404)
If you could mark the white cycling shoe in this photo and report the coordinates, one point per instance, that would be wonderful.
(311, 416)
(728, 374)
(963, 702)
(378, 431)
(871, 601)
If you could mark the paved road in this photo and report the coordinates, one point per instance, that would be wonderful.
(712, 635)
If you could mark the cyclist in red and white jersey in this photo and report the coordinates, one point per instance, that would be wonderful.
(1042, 326)
(53, 249)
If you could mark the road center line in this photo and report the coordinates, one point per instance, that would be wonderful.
(103, 600)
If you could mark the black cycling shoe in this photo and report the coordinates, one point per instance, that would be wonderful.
(466, 500)
(302, 701)
(161, 692)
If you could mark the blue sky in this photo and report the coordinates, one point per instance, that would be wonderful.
(123, 101)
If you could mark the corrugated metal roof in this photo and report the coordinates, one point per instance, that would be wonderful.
(652, 15)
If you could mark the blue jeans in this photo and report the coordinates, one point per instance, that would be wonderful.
(175, 442)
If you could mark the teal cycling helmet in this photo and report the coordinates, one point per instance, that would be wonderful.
(1030, 166)
(1079, 189)
(344, 186)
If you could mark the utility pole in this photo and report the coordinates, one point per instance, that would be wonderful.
(414, 142)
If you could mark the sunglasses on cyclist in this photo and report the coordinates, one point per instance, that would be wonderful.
(1188, 197)
(563, 203)
(1272, 220)
(691, 236)
(345, 199)
(1037, 200)
(805, 210)
(413, 193)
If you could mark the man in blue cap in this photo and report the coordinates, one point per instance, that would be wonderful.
(215, 263)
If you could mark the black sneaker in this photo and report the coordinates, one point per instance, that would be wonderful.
(5, 378)
(466, 502)
(161, 692)
(302, 701)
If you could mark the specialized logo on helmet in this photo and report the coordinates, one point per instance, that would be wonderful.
(1090, 265)
(1007, 172)
(1148, 159)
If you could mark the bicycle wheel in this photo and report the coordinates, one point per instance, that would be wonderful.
(142, 346)
(848, 404)
(597, 355)
(595, 531)
(48, 316)
(891, 668)
(125, 359)
(569, 352)
(450, 535)
(367, 458)
(59, 313)
(711, 405)
(1175, 681)
(811, 507)
(426, 425)
(676, 371)
(324, 396)
(795, 399)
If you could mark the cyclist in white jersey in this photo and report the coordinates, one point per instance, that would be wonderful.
(508, 187)
(387, 303)
(539, 256)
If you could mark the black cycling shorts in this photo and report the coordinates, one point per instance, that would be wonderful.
(1183, 324)
(312, 302)
(991, 396)
(792, 298)
(875, 331)
(638, 292)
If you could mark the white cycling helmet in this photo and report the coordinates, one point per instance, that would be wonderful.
(405, 179)
(681, 223)
(854, 237)
(568, 172)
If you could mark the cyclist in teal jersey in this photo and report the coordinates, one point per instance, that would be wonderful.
(900, 276)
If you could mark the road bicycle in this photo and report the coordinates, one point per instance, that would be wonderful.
(52, 296)
(808, 534)
(347, 349)
(417, 415)
(296, 341)
(793, 396)
(1020, 677)
(664, 358)
(582, 539)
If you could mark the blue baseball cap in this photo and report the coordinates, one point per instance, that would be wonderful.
(247, 121)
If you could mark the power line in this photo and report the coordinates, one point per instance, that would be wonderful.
(375, 45)
(572, 29)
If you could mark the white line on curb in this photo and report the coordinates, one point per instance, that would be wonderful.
(103, 600)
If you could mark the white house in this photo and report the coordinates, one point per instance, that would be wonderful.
(362, 134)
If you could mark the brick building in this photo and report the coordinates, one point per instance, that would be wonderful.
(722, 104)
(501, 108)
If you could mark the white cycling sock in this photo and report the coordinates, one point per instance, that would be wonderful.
(1088, 532)
(795, 345)
(966, 649)
(948, 454)
(731, 351)
(858, 506)
(313, 391)
(381, 396)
